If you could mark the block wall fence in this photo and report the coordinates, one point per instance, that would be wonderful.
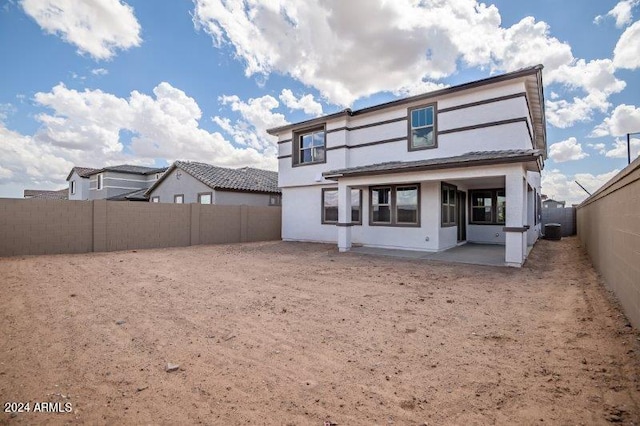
(609, 229)
(58, 226)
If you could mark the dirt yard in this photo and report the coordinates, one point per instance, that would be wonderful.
(293, 333)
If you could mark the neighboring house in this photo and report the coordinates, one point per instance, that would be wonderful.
(61, 194)
(122, 183)
(553, 204)
(193, 182)
(78, 179)
(426, 173)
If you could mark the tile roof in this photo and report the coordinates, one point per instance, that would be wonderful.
(243, 179)
(137, 195)
(469, 159)
(128, 168)
(61, 194)
(82, 172)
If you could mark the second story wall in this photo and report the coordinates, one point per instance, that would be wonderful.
(487, 118)
(116, 183)
(81, 187)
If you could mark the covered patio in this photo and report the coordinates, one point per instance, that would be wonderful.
(470, 253)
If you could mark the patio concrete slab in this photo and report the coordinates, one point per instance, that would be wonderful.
(475, 254)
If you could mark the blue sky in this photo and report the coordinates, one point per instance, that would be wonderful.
(107, 81)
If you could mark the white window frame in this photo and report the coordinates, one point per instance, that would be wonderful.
(178, 197)
(432, 126)
(72, 187)
(100, 181)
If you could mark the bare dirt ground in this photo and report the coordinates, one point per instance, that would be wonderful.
(293, 333)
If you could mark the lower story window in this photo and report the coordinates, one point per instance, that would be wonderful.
(488, 207)
(395, 205)
(448, 206)
(204, 198)
(330, 206)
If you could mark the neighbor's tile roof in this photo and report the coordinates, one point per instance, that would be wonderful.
(128, 168)
(465, 160)
(61, 194)
(82, 172)
(243, 179)
(136, 195)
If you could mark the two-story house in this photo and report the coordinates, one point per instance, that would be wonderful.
(428, 172)
(78, 179)
(123, 182)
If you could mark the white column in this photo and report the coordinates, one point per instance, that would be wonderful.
(515, 238)
(344, 217)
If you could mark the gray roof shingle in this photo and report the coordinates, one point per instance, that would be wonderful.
(136, 195)
(61, 194)
(468, 159)
(128, 168)
(242, 179)
(82, 171)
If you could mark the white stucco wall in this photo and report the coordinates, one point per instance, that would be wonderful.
(504, 123)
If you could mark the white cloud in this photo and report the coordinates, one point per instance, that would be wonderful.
(402, 44)
(99, 71)
(406, 47)
(596, 78)
(627, 51)
(620, 150)
(562, 187)
(601, 148)
(305, 103)
(5, 111)
(621, 12)
(85, 128)
(95, 27)
(256, 117)
(624, 119)
(566, 150)
(30, 163)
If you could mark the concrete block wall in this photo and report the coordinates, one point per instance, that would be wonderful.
(31, 226)
(45, 226)
(132, 225)
(609, 228)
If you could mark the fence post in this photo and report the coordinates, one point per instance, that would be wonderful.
(244, 223)
(99, 225)
(195, 224)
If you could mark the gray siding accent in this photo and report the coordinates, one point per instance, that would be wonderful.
(116, 183)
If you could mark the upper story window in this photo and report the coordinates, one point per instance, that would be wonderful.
(178, 199)
(155, 199)
(72, 186)
(309, 147)
(422, 127)
(100, 181)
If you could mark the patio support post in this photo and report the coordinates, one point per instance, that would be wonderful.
(515, 230)
(344, 217)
